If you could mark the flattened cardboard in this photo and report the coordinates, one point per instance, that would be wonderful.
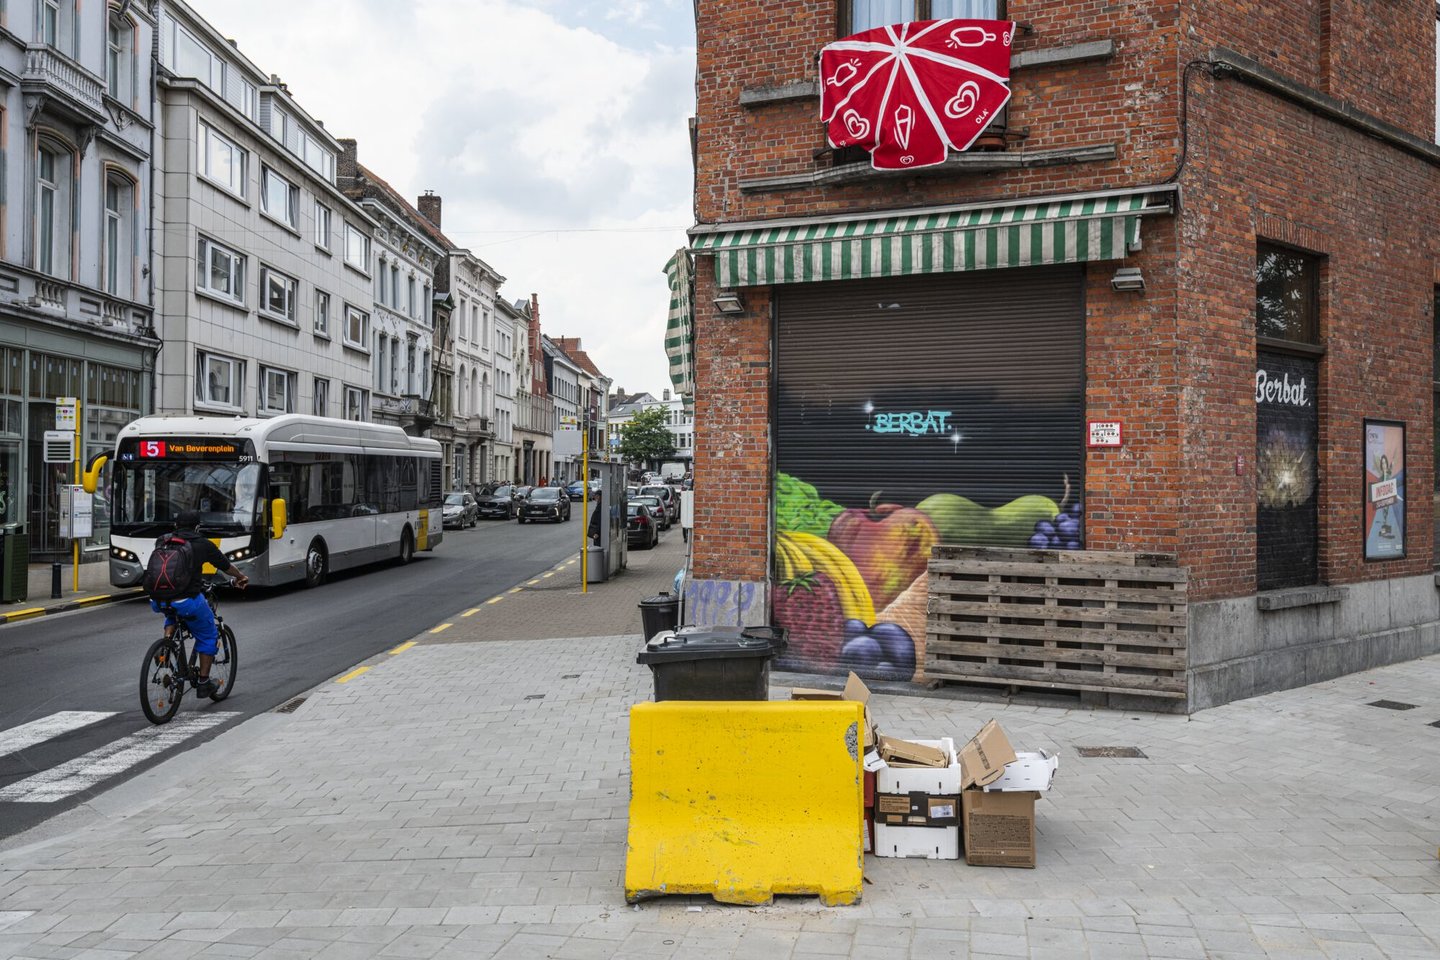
(810, 693)
(1028, 771)
(998, 828)
(937, 781)
(906, 753)
(855, 690)
(983, 758)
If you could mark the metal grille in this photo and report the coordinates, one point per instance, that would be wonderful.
(1391, 705)
(291, 707)
(1126, 753)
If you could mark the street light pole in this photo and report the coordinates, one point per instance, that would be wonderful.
(585, 501)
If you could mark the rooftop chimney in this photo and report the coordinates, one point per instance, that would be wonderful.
(429, 207)
(349, 165)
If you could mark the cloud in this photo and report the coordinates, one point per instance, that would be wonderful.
(556, 133)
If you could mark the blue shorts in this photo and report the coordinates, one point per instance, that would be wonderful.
(198, 617)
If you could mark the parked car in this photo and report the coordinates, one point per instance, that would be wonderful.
(522, 491)
(497, 500)
(460, 509)
(545, 503)
(575, 489)
(667, 497)
(657, 509)
(641, 529)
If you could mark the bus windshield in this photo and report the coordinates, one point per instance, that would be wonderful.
(150, 494)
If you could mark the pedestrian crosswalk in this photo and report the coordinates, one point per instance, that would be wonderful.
(103, 763)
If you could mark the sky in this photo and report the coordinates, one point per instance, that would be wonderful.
(555, 131)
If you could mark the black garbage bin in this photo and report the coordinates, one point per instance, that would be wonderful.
(713, 663)
(659, 613)
(14, 564)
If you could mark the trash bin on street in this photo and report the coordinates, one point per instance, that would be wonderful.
(14, 564)
(713, 663)
(659, 613)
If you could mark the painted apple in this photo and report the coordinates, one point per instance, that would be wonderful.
(889, 545)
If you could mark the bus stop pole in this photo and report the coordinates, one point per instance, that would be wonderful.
(585, 503)
(75, 541)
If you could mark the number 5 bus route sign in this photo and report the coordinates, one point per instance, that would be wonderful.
(1105, 433)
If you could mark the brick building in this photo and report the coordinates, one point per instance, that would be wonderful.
(1210, 224)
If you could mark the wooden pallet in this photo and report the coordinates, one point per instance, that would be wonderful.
(1050, 619)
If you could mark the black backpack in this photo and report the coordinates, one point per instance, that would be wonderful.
(172, 572)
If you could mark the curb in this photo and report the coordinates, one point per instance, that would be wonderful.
(30, 613)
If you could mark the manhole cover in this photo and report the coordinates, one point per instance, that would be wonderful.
(1391, 705)
(1127, 752)
(291, 707)
(536, 696)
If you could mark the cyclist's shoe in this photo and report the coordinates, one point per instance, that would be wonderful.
(206, 688)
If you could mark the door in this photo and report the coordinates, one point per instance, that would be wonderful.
(910, 412)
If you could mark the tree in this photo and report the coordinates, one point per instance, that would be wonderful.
(646, 437)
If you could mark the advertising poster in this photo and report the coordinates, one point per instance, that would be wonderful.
(1286, 475)
(1384, 490)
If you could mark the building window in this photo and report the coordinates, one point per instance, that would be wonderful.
(394, 364)
(357, 404)
(380, 282)
(221, 160)
(277, 390)
(317, 158)
(277, 295)
(320, 405)
(1287, 295)
(191, 58)
(322, 225)
(117, 259)
(279, 198)
(410, 296)
(381, 342)
(410, 367)
(858, 15)
(425, 305)
(357, 327)
(395, 286)
(52, 210)
(220, 271)
(218, 380)
(1287, 426)
(322, 314)
(118, 43)
(357, 249)
(464, 334)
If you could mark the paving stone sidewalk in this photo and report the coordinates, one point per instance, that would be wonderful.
(467, 799)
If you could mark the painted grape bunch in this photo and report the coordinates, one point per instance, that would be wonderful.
(1062, 531)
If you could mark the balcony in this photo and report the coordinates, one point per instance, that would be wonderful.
(63, 85)
(48, 298)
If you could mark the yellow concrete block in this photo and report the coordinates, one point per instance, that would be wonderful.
(744, 800)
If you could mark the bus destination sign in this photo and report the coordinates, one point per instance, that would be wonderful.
(187, 448)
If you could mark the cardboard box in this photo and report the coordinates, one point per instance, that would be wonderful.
(917, 810)
(943, 781)
(928, 843)
(855, 689)
(1028, 771)
(909, 753)
(984, 757)
(999, 828)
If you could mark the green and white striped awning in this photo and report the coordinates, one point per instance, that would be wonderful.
(680, 325)
(1070, 230)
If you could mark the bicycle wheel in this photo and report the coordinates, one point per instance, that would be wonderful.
(222, 671)
(162, 680)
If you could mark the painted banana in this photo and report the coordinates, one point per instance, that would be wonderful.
(799, 553)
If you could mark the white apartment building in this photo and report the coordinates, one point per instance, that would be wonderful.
(408, 249)
(264, 267)
(76, 317)
(681, 422)
(563, 378)
(507, 321)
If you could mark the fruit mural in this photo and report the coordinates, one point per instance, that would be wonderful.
(851, 582)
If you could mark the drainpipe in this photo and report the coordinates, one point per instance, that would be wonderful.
(154, 6)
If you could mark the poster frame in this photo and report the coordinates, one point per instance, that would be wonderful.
(1366, 424)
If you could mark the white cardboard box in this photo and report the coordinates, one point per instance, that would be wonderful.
(936, 780)
(929, 843)
(1028, 771)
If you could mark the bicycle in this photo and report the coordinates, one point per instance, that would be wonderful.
(169, 671)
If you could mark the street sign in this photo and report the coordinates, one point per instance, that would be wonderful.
(65, 413)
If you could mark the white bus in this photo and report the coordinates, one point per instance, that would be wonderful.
(286, 498)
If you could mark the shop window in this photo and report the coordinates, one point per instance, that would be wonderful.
(1287, 475)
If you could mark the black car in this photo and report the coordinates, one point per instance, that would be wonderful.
(496, 500)
(641, 529)
(545, 503)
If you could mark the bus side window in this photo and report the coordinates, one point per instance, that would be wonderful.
(409, 483)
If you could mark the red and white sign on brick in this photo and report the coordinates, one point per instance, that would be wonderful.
(1106, 433)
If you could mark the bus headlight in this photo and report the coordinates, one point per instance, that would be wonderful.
(240, 554)
(118, 554)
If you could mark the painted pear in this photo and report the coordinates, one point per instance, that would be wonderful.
(960, 520)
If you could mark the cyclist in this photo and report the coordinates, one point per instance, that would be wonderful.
(191, 606)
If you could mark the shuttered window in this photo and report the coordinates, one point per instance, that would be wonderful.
(955, 405)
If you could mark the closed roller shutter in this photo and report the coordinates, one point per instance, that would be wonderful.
(952, 403)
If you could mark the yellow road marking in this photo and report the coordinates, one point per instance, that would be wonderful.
(513, 590)
(472, 611)
(24, 614)
(95, 599)
(403, 647)
(531, 583)
(352, 674)
(550, 574)
(442, 628)
(494, 600)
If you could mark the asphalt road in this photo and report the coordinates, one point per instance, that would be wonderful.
(290, 639)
